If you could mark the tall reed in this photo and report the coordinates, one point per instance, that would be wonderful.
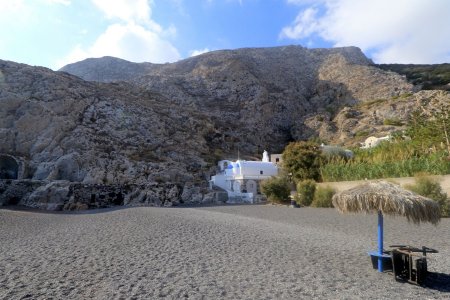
(359, 168)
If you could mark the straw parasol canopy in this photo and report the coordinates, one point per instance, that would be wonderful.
(389, 199)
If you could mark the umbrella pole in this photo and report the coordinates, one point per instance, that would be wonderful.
(380, 241)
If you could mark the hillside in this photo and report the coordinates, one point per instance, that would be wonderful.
(262, 98)
(151, 134)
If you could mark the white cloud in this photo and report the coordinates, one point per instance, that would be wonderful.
(131, 42)
(199, 51)
(402, 31)
(13, 9)
(126, 10)
(63, 2)
(228, 1)
(304, 25)
(11, 5)
(14, 14)
(133, 35)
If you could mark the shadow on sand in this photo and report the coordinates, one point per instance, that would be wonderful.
(438, 281)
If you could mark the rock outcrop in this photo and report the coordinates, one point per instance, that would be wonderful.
(148, 134)
(66, 195)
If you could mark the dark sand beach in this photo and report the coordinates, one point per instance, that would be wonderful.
(231, 252)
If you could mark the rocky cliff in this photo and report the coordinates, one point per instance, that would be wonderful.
(261, 97)
(128, 133)
(55, 126)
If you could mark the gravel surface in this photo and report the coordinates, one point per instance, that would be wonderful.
(233, 252)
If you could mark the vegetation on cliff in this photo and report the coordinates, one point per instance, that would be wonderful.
(430, 77)
(423, 146)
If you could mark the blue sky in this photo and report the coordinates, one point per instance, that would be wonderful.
(53, 33)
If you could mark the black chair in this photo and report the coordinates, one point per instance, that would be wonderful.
(410, 263)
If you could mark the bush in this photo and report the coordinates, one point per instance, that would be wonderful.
(305, 192)
(323, 197)
(430, 188)
(393, 122)
(362, 133)
(276, 189)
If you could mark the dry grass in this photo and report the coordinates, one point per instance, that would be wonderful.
(388, 198)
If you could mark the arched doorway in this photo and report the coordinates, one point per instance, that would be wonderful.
(9, 168)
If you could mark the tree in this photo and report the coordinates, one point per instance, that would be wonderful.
(302, 160)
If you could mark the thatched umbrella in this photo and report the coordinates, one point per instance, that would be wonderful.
(386, 198)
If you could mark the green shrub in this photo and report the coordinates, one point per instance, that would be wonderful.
(323, 197)
(305, 192)
(362, 133)
(371, 103)
(276, 189)
(406, 95)
(392, 122)
(430, 188)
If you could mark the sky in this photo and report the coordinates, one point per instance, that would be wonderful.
(53, 33)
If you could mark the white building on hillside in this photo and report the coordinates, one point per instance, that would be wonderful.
(372, 141)
(241, 179)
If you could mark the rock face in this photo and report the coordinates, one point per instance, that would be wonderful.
(152, 133)
(65, 128)
(261, 98)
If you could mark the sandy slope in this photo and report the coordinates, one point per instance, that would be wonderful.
(235, 252)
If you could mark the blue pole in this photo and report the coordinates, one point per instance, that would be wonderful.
(380, 241)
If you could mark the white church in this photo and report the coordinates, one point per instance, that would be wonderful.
(241, 179)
